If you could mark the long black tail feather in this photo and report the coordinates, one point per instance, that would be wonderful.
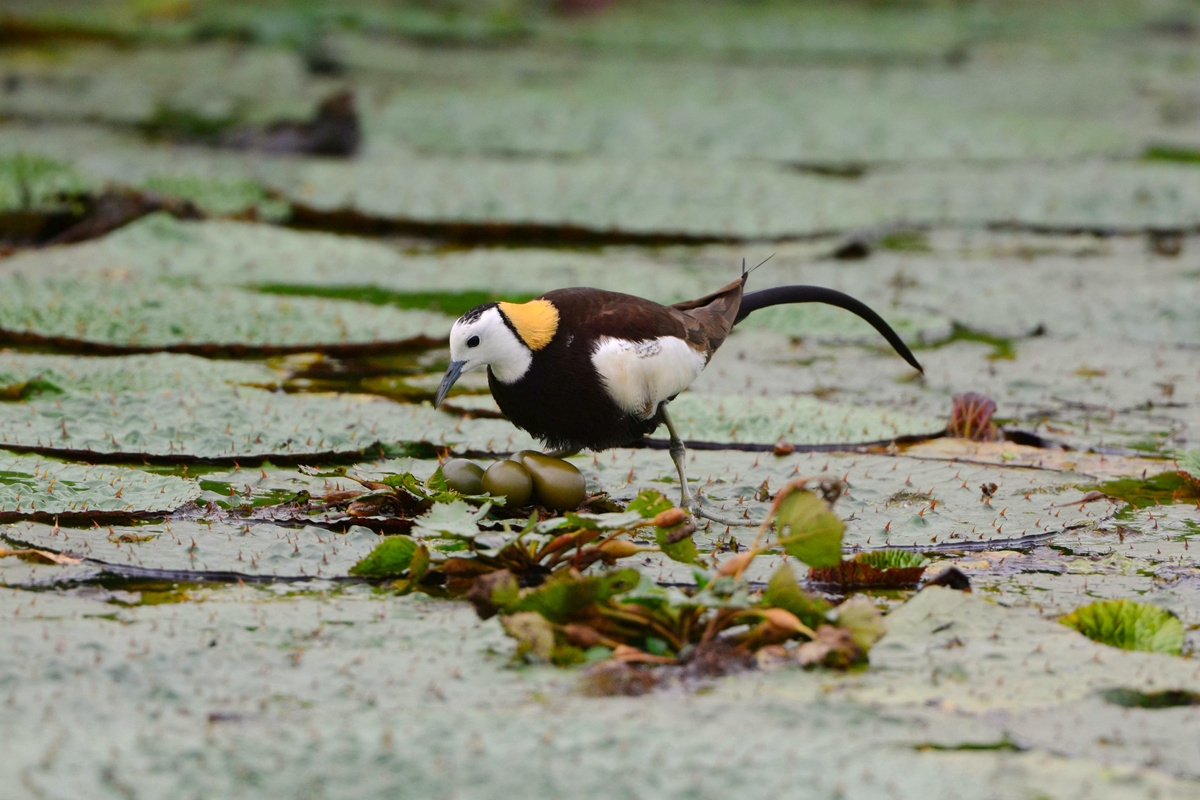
(780, 295)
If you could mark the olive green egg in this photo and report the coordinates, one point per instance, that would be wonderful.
(558, 484)
(463, 476)
(509, 480)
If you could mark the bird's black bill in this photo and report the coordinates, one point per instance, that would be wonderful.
(781, 295)
(452, 372)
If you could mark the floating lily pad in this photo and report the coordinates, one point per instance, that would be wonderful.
(227, 424)
(470, 103)
(241, 424)
(205, 86)
(25, 375)
(890, 502)
(655, 197)
(124, 317)
(207, 547)
(30, 485)
(799, 419)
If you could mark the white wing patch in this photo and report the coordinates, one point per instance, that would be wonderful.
(640, 375)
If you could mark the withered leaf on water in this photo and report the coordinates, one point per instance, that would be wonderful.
(40, 556)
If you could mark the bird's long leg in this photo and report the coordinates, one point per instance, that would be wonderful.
(692, 502)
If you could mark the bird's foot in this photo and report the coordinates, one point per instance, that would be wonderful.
(697, 506)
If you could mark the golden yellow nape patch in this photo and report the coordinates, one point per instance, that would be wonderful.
(535, 321)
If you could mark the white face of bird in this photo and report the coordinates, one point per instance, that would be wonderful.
(482, 338)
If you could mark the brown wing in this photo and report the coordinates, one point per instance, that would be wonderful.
(704, 323)
(715, 313)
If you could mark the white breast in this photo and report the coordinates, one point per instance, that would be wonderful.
(640, 375)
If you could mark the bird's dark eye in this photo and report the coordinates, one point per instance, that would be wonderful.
(473, 341)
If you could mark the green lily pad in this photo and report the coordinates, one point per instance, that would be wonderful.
(123, 317)
(32, 485)
(217, 423)
(1129, 625)
(798, 419)
(209, 86)
(816, 118)
(26, 375)
(654, 197)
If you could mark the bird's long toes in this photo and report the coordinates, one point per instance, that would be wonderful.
(699, 508)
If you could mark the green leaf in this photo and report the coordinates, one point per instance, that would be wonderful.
(564, 594)
(1129, 625)
(649, 503)
(783, 591)
(390, 558)
(683, 551)
(433, 489)
(814, 533)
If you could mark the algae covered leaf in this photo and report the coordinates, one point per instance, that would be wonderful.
(391, 557)
(1128, 625)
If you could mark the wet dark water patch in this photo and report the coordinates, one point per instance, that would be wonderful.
(35, 342)
(1177, 155)
(969, 747)
(475, 234)
(326, 458)
(1135, 698)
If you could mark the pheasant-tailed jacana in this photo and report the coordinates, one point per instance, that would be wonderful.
(591, 368)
